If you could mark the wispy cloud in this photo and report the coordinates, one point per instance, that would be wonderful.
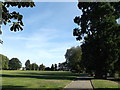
(44, 44)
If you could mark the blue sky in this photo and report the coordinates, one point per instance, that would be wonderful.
(46, 36)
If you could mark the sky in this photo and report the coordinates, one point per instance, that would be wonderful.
(48, 33)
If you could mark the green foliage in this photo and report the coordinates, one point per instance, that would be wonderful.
(100, 31)
(62, 66)
(3, 62)
(14, 64)
(53, 67)
(14, 18)
(73, 58)
(42, 67)
(34, 66)
(27, 65)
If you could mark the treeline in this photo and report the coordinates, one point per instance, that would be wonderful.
(15, 64)
(75, 62)
(42, 67)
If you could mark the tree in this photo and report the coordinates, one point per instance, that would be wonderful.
(30, 66)
(117, 66)
(63, 66)
(42, 67)
(47, 69)
(34, 66)
(73, 58)
(100, 31)
(3, 62)
(55, 67)
(52, 68)
(14, 64)
(27, 65)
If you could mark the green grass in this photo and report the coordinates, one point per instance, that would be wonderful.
(40, 80)
(105, 84)
(36, 79)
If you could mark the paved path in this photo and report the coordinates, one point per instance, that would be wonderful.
(82, 83)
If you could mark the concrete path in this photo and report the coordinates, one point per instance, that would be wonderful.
(81, 83)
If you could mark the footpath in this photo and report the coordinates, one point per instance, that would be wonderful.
(80, 83)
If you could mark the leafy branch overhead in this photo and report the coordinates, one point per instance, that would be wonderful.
(14, 18)
(94, 15)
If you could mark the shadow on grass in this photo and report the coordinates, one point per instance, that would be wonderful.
(84, 78)
(53, 76)
(93, 89)
(10, 87)
(107, 89)
(41, 77)
(53, 73)
(113, 79)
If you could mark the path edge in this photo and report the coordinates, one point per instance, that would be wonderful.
(70, 83)
(92, 84)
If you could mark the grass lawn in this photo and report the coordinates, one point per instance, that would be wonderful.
(105, 85)
(36, 79)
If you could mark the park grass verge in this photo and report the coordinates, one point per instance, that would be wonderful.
(100, 84)
(40, 80)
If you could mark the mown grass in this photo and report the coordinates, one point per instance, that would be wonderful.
(50, 80)
(105, 85)
(36, 79)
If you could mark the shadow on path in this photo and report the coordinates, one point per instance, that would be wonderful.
(53, 75)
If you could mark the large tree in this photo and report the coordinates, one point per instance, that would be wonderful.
(42, 67)
(52, 67)
(34, 66)
(73, 58)
(101, 33)
(15, 64)
(27, 65)
(3, 62)
(55, 67)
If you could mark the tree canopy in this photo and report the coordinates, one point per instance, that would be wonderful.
(52, 67)
(27, 65)
(73, 58)
(101, 33)
(15, 64)
(34, 66)
(42, 67)
(4, 62)
(14, 17)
